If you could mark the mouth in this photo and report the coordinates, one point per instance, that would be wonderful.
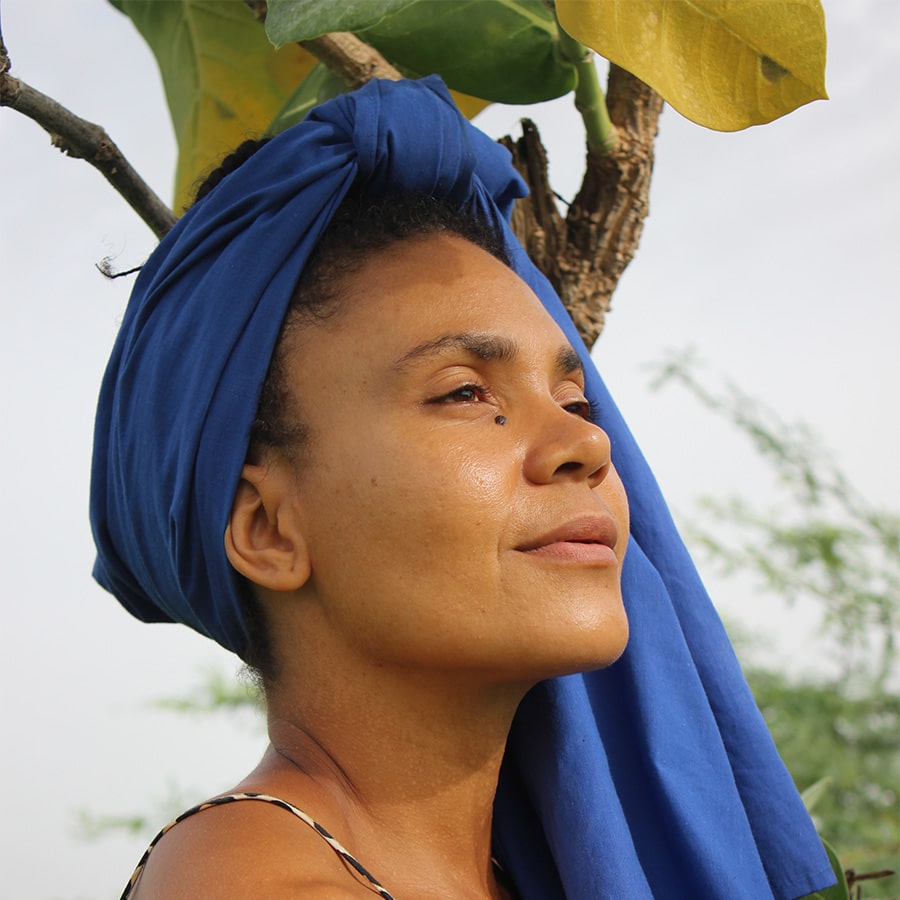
(586, 540)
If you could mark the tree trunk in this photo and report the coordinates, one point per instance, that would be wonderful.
(585, 253)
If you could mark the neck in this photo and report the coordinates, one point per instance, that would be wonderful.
(406, 763)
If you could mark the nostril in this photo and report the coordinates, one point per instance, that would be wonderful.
(598, 476)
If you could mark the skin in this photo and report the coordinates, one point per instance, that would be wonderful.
(421, 567)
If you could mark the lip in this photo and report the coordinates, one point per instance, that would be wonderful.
(587, 539)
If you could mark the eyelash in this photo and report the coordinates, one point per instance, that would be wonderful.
(481, 392)
(580, 408)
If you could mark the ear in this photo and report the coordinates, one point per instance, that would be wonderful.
(264, 540)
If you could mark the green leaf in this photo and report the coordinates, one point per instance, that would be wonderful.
(839, 891)
(504, 51)
(725, 64)
(224, 82)
(320, 85)
(815, 792)
(301, 20)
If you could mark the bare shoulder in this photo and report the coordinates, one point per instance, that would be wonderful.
(245, 850)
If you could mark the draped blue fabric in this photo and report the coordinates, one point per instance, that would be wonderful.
(653, 778)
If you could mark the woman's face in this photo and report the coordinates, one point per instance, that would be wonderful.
(437, 537)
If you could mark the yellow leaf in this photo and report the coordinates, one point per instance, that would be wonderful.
(469, 106)
(233, 103)
(224, 81)
(725, 64)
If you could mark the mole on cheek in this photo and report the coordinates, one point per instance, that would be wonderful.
(374, 481)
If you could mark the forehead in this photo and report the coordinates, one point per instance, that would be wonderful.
(417, 290)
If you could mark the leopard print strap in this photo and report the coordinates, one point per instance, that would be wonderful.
(355, 866)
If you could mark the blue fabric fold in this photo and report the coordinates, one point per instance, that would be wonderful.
(653, 778)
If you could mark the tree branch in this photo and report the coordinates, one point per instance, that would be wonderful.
(585, 254)
(605, 221)
(85, 140)
(353, 60)
(4, 56)
(536, 221)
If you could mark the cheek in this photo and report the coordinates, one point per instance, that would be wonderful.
(441, 492)
(613, 493)
(407, 546)
(423, 505)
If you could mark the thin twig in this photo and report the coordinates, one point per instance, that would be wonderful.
(854, 877)
(259, 8)
(84, 140)
(104, 267)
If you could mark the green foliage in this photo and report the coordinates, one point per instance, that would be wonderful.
(217, 692)
(838, 891)
(299, 20)
(821, 541)
(824, 542)
(726, 66)
(501, 50)
(321, 85)
(223, 79)
(91, 826)
(855, 742)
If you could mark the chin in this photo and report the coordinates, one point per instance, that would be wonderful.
(611, 652)
(607, 655)
(591, 649)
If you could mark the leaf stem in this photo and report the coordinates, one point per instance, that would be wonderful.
(589, 99)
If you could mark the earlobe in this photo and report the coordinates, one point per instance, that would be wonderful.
(264, 540)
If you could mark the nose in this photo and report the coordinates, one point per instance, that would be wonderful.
(568, 447)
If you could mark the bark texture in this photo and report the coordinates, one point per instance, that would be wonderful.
(585, 253)
(354, 60)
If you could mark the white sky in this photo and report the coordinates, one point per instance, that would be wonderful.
(773, 251)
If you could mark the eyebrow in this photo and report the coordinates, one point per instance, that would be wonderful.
(568, 360)
(486, 347)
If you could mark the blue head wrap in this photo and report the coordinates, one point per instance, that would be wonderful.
(655, 778)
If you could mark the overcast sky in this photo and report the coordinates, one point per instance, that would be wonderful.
(773, 251)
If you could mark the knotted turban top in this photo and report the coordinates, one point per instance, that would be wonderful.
(654, 778)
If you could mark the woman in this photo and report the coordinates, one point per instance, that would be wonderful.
(391, 496)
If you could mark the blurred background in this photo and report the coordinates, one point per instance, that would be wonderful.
(769, 259)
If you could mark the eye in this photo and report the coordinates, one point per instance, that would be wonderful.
(467, 393)
(581, 408)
